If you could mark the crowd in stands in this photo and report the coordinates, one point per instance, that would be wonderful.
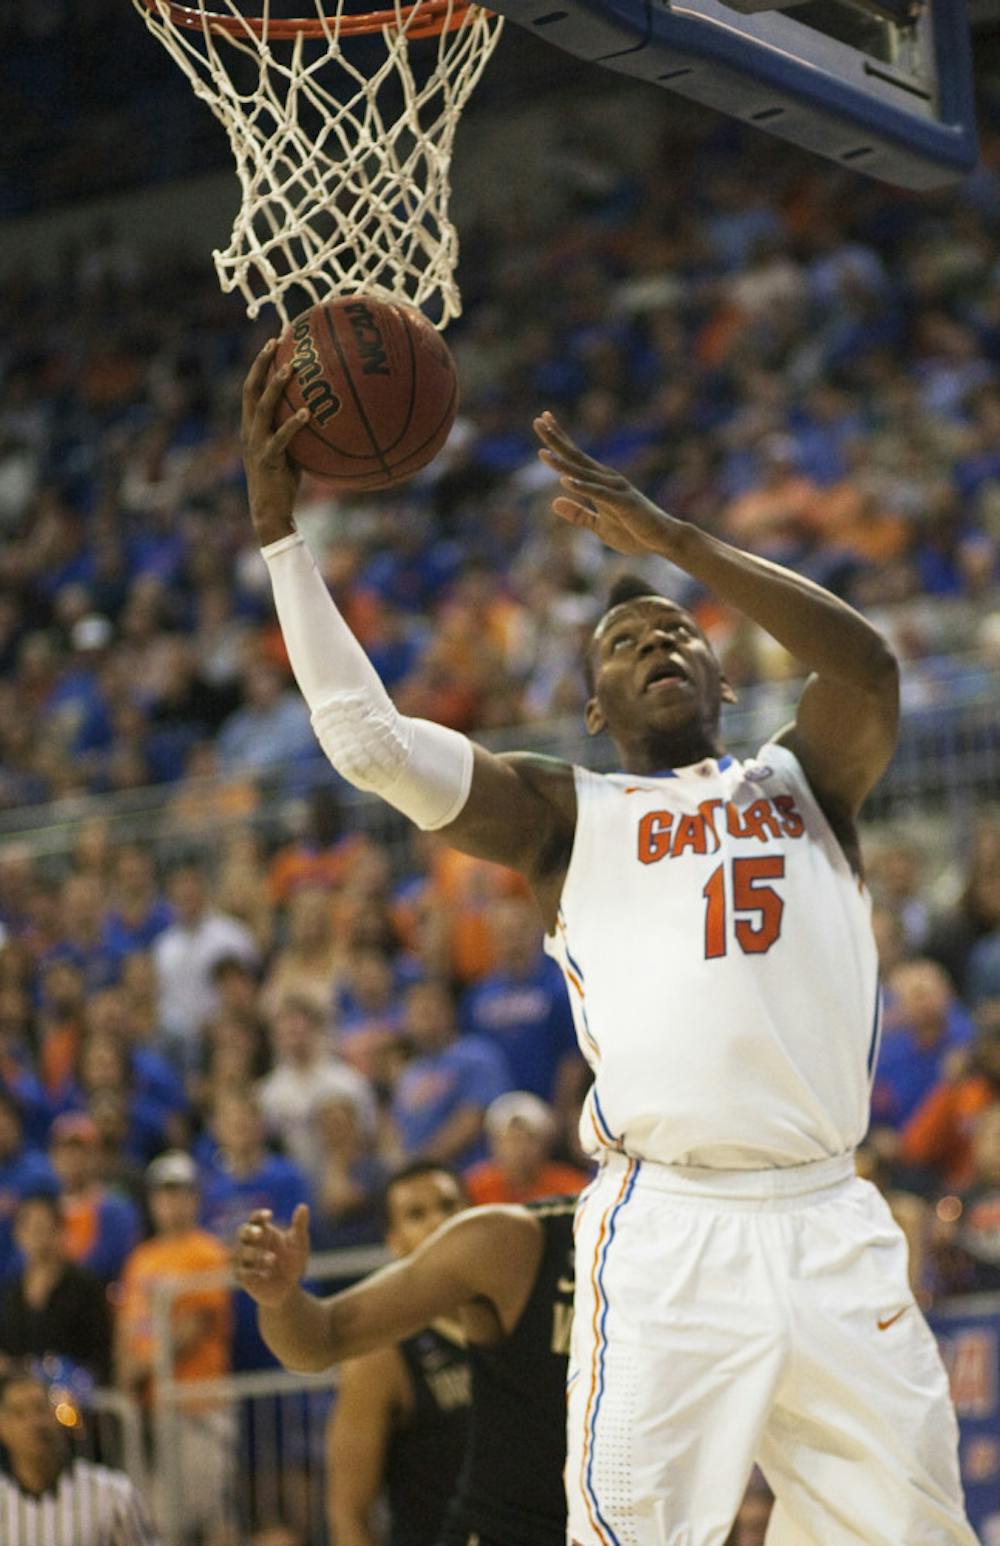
(807, 363)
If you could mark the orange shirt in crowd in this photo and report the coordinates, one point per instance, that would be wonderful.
(178, 1257)
(939, 1133)
(486, 1182)
(465, 888)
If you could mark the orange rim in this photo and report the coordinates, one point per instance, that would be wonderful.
(435, 16)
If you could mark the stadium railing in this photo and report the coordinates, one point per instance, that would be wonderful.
(947, 764)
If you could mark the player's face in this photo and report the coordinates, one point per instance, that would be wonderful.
(654, 671)
(419, 1206)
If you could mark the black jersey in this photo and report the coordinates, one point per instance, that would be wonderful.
(511, 1489)
(426, 1456)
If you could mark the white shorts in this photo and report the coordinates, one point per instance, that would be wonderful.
(727, 1318)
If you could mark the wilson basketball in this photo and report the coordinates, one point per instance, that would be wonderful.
(380, 384)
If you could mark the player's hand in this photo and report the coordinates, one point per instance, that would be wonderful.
(272, 479)
(269, 1261)
(601, 500)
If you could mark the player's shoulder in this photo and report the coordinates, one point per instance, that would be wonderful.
(551, 777)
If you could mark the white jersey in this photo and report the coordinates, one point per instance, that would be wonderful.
(721, 966)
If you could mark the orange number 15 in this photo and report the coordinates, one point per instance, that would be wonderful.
(754, 935)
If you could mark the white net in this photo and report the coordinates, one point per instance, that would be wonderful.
(342, 127)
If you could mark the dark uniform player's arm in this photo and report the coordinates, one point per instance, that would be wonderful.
(485, 1258)
(372, 1400)
(845, 729)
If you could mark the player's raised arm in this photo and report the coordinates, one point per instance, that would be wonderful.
(485, 1254)
(845, 729)
(518, 811)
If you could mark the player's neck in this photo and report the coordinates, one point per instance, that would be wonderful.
(657, 754)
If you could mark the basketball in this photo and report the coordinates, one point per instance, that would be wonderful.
(380, 384)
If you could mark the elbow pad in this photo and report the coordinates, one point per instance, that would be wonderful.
(421, 769)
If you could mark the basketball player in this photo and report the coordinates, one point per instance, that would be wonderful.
(741, 1293)
(401, 1418)
(506, 1274)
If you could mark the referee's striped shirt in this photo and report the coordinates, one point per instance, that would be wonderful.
(87, 1505)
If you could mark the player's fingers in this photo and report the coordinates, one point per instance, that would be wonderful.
(256, 374)
(591, 472)
(576, 514)
(268, 400)
(300, 1224)
(552, 434)
(281, 437)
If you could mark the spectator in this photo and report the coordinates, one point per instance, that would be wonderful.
(305, 1073)
(82, 939)
(243, 1174)
(977, 912)
(23, 1172)
(521, 1006)
(45, 1481)
(368, 1014)
(100, 1227)
(53, 1307)
(200, 1323)
(185, 955)
(105, 1068)
(240, 1175)
(310, 962)
(272, 726)
(967, 1230)
(138, 914)
(930, 1023)
(348, 1178)
(443, 1093)
(521, 1131)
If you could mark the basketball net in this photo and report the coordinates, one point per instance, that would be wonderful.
(344, 166)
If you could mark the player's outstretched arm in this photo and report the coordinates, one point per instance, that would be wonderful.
(845, 729)
(518, 811)
(487, 1254)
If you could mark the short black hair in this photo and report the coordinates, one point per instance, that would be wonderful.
(627, 587)
(412, 1171)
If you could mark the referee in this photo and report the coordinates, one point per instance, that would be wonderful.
(50, 1498)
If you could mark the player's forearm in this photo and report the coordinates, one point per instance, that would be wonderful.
(823, 633)
(301, 1332)
(424, 770)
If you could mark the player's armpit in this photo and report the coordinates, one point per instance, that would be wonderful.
(521, 811)
(844, 737)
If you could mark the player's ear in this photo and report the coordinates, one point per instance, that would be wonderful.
(593, 717)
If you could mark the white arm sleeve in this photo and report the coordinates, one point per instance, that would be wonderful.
(423, 769)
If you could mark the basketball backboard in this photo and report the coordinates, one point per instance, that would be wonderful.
(881, 86)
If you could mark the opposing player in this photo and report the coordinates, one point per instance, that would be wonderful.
(400, 1422)
(506, 1274)
(741, 1294)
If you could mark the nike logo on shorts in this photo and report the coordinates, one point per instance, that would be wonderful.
(885, 1321)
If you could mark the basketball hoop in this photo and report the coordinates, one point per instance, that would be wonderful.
(344, 164)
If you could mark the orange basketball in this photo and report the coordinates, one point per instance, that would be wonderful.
(380, 384)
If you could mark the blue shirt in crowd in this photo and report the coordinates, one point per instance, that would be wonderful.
(907, 1071)
(468, 1072)
(226, 1202)
(528, 1019)
(22, 1174)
